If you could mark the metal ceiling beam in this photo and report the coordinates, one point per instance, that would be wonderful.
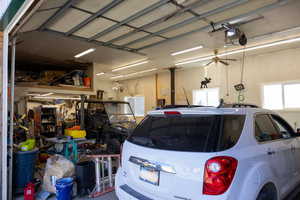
(191, 20)
(128, 25)
(94, 16)
(129, 19)
(219, 24)
(98, 43)
(161, 20)
(57, 14)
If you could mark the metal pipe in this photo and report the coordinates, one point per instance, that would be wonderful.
(4, 115)
(82, 112)
(129, 19)
(218, 24)
(11, 124)
(110, 172)
(98, 174)
(172, 78)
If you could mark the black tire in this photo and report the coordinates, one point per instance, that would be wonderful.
(268, 192)
(113, 146)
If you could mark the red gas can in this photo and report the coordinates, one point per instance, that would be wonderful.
(29, 192)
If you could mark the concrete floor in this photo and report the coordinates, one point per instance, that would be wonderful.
(109, 196)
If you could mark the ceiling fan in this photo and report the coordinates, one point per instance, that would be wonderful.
(216, 59)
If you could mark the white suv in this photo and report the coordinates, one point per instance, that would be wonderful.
(236, 153)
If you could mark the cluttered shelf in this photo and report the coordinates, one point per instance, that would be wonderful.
(64, 87)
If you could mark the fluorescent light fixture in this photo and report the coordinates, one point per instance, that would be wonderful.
(85, 52)
(47, 94)
(194, 60)
(130, 65)
(135, 73)
(187, 50)
(116, 77)
(100, 73)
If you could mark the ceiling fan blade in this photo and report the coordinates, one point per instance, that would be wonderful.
(209, 63)
(223, 62)
(229, 59)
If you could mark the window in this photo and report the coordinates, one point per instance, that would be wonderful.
(206, 97)
(281, 96)
(209, 133)
(283, 127)
(265, 129)
(137, 105)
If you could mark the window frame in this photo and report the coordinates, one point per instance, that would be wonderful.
(270, 117)
(133, 107)
(282, 84)
(206, 90)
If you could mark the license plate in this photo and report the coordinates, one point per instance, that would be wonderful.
(149, 175)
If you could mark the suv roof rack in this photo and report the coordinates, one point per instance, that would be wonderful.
(236, 105)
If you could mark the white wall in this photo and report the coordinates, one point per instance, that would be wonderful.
(102, 83)
(271, 67)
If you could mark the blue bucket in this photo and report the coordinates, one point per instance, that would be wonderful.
(64, 188)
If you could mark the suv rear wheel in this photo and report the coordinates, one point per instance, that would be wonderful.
(268, 192)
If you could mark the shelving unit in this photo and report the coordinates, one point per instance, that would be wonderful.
(48, 121)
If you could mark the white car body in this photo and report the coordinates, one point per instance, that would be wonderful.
(258, 163)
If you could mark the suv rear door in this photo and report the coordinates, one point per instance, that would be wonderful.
(180, 145)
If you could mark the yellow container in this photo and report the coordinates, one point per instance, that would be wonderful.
(75, 133)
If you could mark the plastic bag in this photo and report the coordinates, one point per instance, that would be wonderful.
(57, 167)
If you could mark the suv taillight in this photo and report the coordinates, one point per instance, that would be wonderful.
(218, 174)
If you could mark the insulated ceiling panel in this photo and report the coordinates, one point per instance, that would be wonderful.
(239, 10)
(93, 5)
(116, 33)
(146, 42)
(131, 38)
(52, 4)
(37, 20)
(211, 5)
(170, 22)
(185, 29)
(128, 8)
(68, 20)
(154, 15)
(94, 27)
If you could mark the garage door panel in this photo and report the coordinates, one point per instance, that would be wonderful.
(239, 10)
(128, 8)
(96, 26)
(154, 15)
(131, 38)
(170, 22)
(52, 4)
(68, 20)
(146, 42)
(93, 5)
(211, 5)
(185, 29)
(115, 33)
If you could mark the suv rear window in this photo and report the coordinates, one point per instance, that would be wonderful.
(208, 133)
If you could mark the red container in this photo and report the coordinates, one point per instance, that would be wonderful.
(87, 81)
(29, 193)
